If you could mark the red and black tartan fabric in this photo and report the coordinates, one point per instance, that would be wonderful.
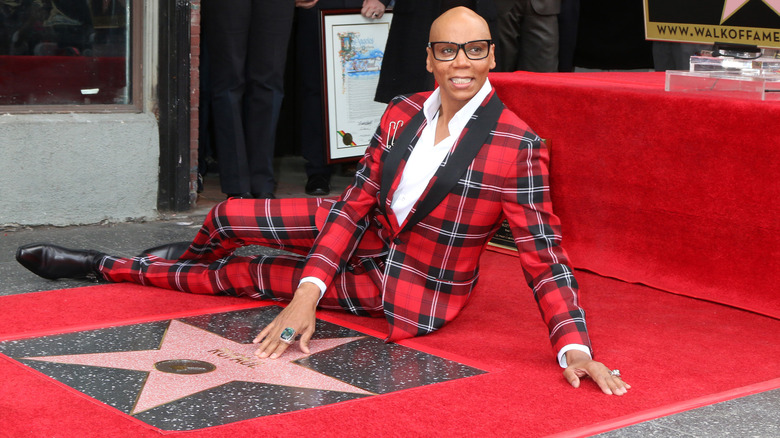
(420, 274)
(209, 266)
(432, 260)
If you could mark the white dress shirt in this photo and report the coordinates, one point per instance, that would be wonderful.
(427, 157)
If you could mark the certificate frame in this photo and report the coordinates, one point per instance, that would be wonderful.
(353, 48)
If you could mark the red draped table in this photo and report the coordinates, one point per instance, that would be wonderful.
(673, 190)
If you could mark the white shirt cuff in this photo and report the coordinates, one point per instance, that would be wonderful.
(562, 353)
(320, 284)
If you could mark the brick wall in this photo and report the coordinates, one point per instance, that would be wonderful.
(194, 96)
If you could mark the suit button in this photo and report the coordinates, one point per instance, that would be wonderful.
(397, 241)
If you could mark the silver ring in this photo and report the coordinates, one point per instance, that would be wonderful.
(288, 335)
(615, 373)
(375, 15)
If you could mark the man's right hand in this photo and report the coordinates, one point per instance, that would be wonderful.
(581, 365)
(299, 315)
(373, 9)
(305, 4)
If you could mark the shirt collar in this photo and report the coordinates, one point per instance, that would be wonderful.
(459, 120)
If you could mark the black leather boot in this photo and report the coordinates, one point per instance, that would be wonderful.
(53, 262)
(169, 251)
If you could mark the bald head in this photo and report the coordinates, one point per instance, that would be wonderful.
(457, 21)
(461, 77)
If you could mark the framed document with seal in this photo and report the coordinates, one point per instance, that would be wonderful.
(353, 49)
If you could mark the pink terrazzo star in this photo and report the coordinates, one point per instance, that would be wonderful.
(731, 6)
(233, 361)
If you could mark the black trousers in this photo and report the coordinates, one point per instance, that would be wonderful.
(528, 40)
(247, 43)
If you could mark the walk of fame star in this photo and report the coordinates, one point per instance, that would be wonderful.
(231, 361)
(732, 6)
(201, 371)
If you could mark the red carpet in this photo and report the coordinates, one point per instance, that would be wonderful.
(673, 350)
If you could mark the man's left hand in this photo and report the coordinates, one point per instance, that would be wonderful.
(581, 365)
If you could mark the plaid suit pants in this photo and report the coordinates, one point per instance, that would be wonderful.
(209, 266)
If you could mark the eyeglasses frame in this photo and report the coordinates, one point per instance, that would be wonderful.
(460, 47)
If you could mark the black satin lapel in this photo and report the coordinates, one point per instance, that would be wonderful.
(476, 136)
(399, 151)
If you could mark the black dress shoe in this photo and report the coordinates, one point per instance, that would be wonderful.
(245, 195)
(264, 195)
(169, 251)
(318, 185)
(53, 262)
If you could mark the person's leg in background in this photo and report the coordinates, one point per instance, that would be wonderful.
(668, 55)
(309, 81)
(228, 32)
(269, 36)
(508, 49)
(528, 39)
(568, 20)
(538, 40)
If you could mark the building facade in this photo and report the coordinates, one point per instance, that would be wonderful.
(94, 110)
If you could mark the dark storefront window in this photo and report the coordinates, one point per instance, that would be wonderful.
(66, 52)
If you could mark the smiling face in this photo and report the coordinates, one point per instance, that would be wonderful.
(461, 78)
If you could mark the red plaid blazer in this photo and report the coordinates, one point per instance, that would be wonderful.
(496, 170)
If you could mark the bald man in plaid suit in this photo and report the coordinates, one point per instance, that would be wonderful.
(442, 172)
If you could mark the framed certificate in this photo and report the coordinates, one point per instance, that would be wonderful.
(353, 49)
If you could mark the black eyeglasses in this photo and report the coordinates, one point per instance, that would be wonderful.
(447, 51)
